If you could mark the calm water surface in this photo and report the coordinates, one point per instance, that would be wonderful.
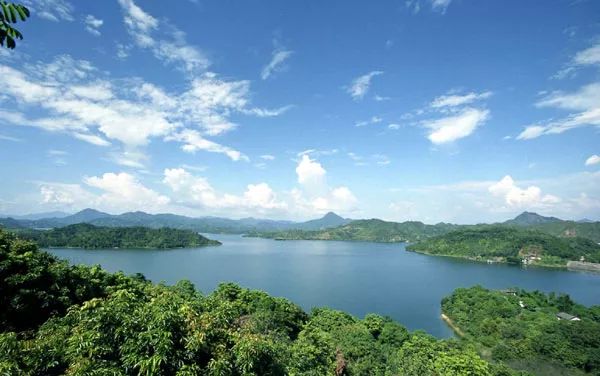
(355, 277)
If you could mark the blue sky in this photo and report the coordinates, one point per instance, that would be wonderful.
(433, 110)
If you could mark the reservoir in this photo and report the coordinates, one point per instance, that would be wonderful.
(356, 277)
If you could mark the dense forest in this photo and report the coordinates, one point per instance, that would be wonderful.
(368, 230)
(508, 244)
(521, 329)
(84, 235)
(77, 320)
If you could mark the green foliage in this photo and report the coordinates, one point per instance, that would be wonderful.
(509, 244)
(496, 321)
(84, 235)
(76, 320)
(11, 13)
(372, 230)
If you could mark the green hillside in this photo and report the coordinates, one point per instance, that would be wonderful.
(521, 328)
(372, 230)
(508, 244)
(84, 235)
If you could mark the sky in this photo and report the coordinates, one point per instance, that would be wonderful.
(458, 111)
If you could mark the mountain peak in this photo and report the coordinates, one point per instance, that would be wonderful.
(331, 215)
(89, 211)
(530, 218)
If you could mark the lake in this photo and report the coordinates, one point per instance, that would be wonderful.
(355, 277)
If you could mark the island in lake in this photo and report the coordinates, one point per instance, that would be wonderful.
(84, 235)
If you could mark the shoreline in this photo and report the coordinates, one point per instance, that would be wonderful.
(484, 261)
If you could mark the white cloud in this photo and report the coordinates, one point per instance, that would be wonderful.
(267, 157)
(454, 100)
(372, 120)
(192, 195)
(129, 158)
(380, 98)
(360, 86)
(193, 141)
(310, 172)
(573, 196)
(515, 196)
(124, 189)
(9, 138)
(382, 160)
(197, 192)
(92, 139)
(455, 127)
(592, 160)
(133, 112)
(394, 126)
(92, 24)
(146, 31)
(52, 10)
(585, 103)
(530, 132)
(64, 195)
(315, 194)
(117, 192)
(440, 5)
(588, 57)
(277, 63)
(436, 5)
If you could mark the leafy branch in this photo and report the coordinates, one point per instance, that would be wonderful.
(10, 14)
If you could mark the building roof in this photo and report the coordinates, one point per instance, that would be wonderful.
(565, 316)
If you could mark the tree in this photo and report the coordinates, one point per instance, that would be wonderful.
(10, 14)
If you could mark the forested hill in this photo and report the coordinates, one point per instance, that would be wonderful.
(59, 319)
(506, 244)
(521, 328)
(372, 230)
(84, 235)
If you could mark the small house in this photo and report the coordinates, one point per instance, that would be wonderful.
(567, 317)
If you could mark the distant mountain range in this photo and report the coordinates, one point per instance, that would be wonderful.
(203, 224)
(331, 226)
(376, 230)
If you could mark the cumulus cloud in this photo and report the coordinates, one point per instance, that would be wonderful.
(452, 128)
(112, 192)
(92, 25)
(515, 196)
(592, 160)
(310, 172)
(584, 105)
(197, 192)
(315, 195)
(277, 63)
(360, 85)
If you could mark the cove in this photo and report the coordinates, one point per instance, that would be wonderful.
(355, 277)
